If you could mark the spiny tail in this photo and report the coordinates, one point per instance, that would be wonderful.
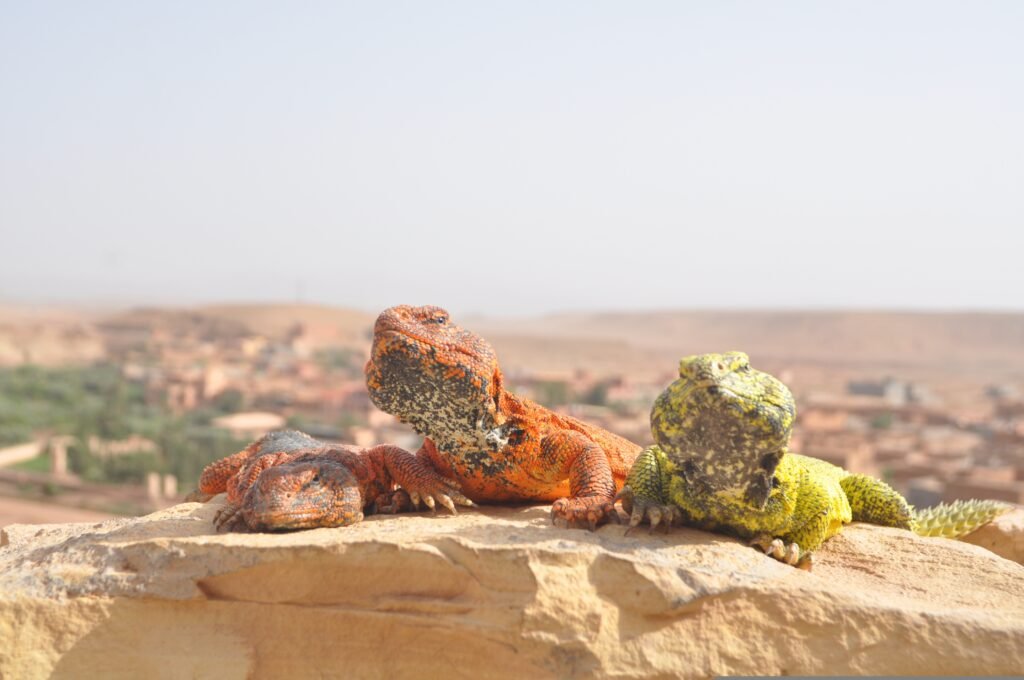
(956, 519)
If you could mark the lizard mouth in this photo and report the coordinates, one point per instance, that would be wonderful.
(275, 520)
(713, 389)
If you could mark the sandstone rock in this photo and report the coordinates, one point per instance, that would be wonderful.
(1004, 536)
(496, 592)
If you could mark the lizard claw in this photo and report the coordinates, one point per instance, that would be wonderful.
(446, 501)
(654, 516)
(428, 500)
(787, 553)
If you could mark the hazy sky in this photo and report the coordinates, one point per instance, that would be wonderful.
(514, 157)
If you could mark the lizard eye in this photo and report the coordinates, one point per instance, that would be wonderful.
(440, 319)
(316, 479)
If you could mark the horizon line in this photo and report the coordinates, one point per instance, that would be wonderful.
(112, 306)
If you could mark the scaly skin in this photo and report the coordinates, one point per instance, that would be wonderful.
(720, 463)
(445, 382)
(288, 480)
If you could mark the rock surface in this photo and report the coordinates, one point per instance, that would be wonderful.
(1004, 536)
(491, 593)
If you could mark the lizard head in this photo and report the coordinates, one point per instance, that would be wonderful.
(432, 373)
(725, 425)
(308, 491)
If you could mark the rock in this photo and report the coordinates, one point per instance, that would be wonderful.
(1004, 535)
(496, 592)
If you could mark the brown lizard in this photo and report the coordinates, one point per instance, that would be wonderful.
(445, 381)
(288, 480)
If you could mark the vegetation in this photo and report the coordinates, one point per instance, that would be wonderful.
(40, 463)
(596, 395)
(883, 421)
(96, 401)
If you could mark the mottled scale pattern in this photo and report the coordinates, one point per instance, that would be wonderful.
(721, 463)
(223, 475)
(445, 381)
(874, 501)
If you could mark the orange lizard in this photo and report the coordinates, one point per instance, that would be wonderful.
(445, 381)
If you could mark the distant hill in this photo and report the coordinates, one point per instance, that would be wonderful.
(329, 325)
(48, 336)
(959, 342)
(323, 325)
(987, 344)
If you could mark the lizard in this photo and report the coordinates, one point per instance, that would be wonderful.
(445, 381)
(720, 462)
(289, 480)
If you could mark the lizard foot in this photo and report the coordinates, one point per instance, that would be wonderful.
(392, 503)
(230, 518)
(783, 552)
(437, 490)
(640, 509)
(582, 512)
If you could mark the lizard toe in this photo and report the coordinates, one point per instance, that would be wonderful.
(654, 517)
(625, 496)
(230, 518)
(447, 502)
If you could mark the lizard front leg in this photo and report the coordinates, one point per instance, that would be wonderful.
(645, 494)
(819, 514)
(591, 485)
(216, 475)
(419, 479)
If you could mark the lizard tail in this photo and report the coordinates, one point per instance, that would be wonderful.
(956, 519)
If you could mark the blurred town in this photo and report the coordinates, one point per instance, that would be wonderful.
(113, 414)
